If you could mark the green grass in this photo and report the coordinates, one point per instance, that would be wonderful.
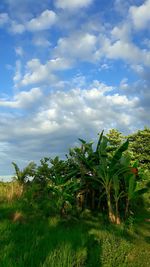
(91, 241)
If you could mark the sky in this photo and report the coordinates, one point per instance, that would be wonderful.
(68, 70)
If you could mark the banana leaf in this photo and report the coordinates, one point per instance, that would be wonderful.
(118, 154)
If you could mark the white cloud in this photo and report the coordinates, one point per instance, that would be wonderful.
(43, 22)
(122, 100)
(121, 32)
(140, 15)
(23, 99)
(124, 84)
(16, 28)
(60, 54)
(41, 41)
(4, 19)
(126, 51)
(59, 64)
(40, 23)
(73, 4)
(63, 113)
(120, 49)
(79, 45)
(17, 76)
(146, 42)
(121, 6)
(100, 88)
(67, 111)
(104, 66)
(143, 84)
(118, 44)
(23, 10)
(38, 73)
(64, 116)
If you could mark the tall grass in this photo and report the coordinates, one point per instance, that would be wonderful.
(89, 241)
(10, 191)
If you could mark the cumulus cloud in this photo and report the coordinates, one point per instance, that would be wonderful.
(38, 73)
(17, 75)
(23, 11)
(121, 7)
(41, 41)
(63, 117)
(80, 45)
(74, 4)
(140, 15)
(122, 50)
(16, 28)
(61, 98)
(22, 100)
(124, 84)
(122, 32)
(69, 110)
(119, 46)
(43, 22)
(39, 23)
(91, 47)
(4, 19)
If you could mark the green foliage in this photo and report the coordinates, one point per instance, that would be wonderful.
(23, 176)
(84, 243)
(140, 147)
(42, 172)
(104, 178)
(89, 241)
(115, 137)
(107, 180)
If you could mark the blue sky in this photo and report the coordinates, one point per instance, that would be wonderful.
(68, 69)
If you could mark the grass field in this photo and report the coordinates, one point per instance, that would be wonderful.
(36, 241)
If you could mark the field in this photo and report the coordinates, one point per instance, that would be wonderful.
(34, 240)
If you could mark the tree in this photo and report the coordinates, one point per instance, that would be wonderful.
(140, 147)
(106, 176)
(110, 171)
(115, 138)
(22, 176)
(102, 173)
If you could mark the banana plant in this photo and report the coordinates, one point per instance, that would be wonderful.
(132, 191)
(84, 159)
(118, 193)
(109, 172)
(102, 172)
(64, 193)
(23, 175)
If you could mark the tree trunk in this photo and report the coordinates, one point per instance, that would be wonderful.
(127, 208)
(117, 219)
(110, 210)
(93, 199)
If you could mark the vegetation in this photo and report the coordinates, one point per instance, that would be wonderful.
(140, 147)
(91, 208)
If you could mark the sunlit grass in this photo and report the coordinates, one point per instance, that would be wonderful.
(10, 191)
(51, 242)
(37, 241)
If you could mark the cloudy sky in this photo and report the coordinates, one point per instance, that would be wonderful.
(68, 69)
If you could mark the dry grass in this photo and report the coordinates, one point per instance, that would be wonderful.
(18, 216)
(10, 191)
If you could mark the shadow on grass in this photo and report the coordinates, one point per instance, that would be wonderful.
(43, 242)
(51, 242)
(142, 223)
